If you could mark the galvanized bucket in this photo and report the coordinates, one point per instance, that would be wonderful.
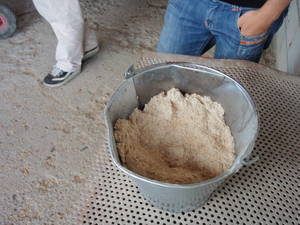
(240, 115)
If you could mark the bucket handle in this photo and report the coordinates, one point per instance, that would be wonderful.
(245, 162)
(248, 162)
(132, 71)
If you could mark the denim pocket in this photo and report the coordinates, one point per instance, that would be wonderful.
(250, 47)
(252, 39)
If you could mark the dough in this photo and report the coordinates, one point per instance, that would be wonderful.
(176, 139)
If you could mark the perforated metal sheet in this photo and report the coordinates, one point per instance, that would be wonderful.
(266, 192)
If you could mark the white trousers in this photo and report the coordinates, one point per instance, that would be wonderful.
(73, 36)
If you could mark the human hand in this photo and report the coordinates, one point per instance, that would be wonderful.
(254, 22)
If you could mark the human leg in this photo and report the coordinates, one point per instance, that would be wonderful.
(67, 22)
(184, 31)
(76, 42)
(90, 43)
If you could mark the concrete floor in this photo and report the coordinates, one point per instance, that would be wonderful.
(49, 137)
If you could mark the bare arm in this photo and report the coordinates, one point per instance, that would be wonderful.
(258, 21)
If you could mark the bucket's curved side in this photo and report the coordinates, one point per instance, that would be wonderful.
(176, 199)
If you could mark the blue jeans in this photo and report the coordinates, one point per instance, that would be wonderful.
(191, 27)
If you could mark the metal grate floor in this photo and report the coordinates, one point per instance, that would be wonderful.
(266, 192)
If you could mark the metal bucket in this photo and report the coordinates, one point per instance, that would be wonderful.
(240, 115)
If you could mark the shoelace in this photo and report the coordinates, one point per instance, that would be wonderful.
(56, 72)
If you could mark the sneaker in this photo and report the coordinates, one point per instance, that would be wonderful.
(90, 53)
(58, 77)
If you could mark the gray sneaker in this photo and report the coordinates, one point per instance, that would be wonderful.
(90, 53)
(58, 77)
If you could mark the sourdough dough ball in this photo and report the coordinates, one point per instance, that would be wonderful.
(176, 139)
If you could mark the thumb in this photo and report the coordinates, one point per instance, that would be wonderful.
(240, 21)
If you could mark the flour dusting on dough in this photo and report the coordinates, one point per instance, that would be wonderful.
(176, 139)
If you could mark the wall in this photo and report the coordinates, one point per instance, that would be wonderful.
(286, 44)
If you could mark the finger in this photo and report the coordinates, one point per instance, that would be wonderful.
(241, 26)
(243, 29)
(241, 20)
(239, 23)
